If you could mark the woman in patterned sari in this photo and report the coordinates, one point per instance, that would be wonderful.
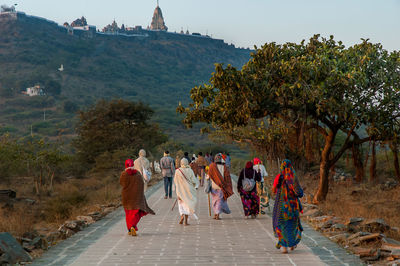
(287, 207)
(248, 190)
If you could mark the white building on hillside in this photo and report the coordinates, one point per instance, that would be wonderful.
(34, 91)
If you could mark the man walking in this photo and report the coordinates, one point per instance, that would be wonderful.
(202, 163)
(167, 171)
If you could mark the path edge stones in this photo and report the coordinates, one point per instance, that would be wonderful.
(67, 251)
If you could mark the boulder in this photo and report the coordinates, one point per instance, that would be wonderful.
(12, 251)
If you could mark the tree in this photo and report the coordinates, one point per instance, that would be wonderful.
(321, 84)
(52, 87)
(117, 124)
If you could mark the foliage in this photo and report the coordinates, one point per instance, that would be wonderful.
(321, 84)
(112, 125)
(104, 67)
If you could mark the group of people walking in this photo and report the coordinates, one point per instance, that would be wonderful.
(214, 175)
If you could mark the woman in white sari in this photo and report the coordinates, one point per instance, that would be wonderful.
(186, 184)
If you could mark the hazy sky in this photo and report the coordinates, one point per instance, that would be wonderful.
(243, 22)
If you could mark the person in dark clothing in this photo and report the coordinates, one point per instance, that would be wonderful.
(186, 156)
(247, 189)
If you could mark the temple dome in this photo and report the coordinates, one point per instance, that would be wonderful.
(157, 22)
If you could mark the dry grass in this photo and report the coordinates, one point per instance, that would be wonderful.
(347, 200)
(70, 198)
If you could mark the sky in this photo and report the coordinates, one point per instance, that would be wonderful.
(244, 23)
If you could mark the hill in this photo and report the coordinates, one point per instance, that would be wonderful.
(159, 70)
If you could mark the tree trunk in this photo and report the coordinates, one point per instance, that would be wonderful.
(357, 162)
(394, 148)
(372, 167)
(324, 168)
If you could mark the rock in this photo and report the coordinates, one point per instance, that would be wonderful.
(39, 242)
(341, 238)
(312, 213)
(389, 184)
(69, 233)
(390, 247)
(108, 210)
(374, 257)
(96, 215)
(320, 219)
(30, 235)
(393, 263)
(396, 254)
(6, 194)
(53, 238)
(390, 241)
(87, 219)
(375, 225)
(309, 206)
(28, 247)
(355, 221)
(338, 227)
(364, 252)
(367, 238)
(12, 251)
(357, 235)
(28, 201)
(74, 225)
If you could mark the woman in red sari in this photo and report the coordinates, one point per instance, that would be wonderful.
(133, 198)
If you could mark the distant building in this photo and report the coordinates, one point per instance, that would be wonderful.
(80, 22)
(157, 22)
(34, 91)
(8, 12)
(112, 28)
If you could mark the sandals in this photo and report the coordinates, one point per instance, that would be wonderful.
(132, 232)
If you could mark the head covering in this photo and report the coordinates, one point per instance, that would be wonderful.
(218, 159)
(129, 167)
(184, 162)
(142, 153)
(249, 165)
(256, 161)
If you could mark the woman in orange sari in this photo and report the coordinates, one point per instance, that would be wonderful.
(287, 207)
(133, 198)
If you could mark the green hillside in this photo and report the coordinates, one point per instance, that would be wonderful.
(158, 70)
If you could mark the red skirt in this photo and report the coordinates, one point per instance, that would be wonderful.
(133, 217)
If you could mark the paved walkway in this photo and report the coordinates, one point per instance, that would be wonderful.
(233, 240)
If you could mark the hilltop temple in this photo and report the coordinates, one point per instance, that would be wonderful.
(157, 22)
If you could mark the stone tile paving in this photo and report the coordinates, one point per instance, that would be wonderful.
(234, 240)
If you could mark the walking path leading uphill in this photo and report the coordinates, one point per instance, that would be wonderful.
(233, 240)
